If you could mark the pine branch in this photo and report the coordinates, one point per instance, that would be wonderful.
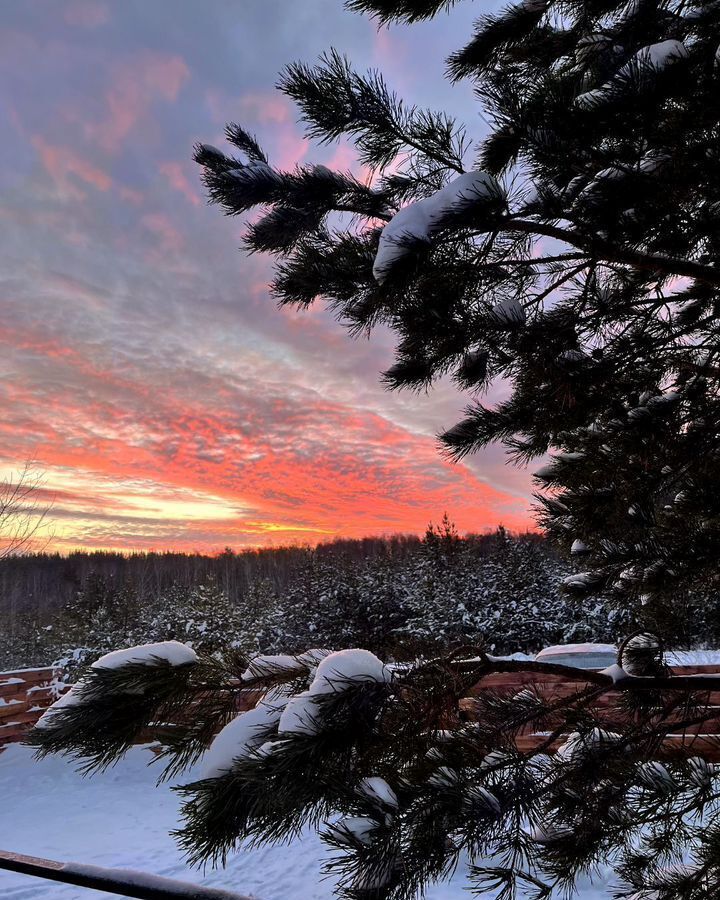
(603, 250)
(602, 120)
(111, 707)
(335, 100)
(495, 33)
(403, 11)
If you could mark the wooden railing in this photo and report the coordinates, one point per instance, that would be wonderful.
(26, 693)
(698, 740)
(124, 882)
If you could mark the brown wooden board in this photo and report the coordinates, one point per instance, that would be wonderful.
(12, 710)
(29, 676)
(36, 695)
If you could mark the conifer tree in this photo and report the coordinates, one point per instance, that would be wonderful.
(405, 777)
(572, 253)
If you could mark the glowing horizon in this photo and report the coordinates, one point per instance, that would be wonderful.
(145, 369)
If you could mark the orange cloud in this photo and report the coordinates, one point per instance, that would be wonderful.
(220, 458)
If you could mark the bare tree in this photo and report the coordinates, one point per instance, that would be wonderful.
(22, 511)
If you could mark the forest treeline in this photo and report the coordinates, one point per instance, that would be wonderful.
(400, 597)
(40, 583)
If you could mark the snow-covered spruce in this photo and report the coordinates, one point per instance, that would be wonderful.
(648, 62)
(301, 714)
(336, 672)
(353, 830)
(73, 697)
(257, 168)
(581, 745)
(283, 665)
(501, 590)
(280, 664)
(346, 668)
(662, 54)
(508, 313)
(378, 791)
(212, 151)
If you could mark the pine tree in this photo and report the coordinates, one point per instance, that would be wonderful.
(507, 598)
(202, 617)
(338, 603)
(574, 257)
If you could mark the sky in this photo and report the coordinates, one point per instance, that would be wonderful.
(144, 368)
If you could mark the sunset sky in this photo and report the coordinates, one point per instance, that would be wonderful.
(144, 367)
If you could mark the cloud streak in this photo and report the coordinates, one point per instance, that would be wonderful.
(143, 364)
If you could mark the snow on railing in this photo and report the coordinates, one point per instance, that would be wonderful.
(125, 882)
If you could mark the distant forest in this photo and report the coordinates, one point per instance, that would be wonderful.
(401, 597)
(39, 583)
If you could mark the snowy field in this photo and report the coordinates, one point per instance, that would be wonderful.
(121, 819)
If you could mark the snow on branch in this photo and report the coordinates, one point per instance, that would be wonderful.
(472, 197)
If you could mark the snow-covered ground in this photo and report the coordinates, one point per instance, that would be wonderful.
(693, 657)
(120, 818)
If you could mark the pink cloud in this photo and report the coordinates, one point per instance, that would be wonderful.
(62, 162)
(392, 56)
(170, 240)
(384, 48)
(345, 159)
(135, 86)
(130, 195)
(285, 145)
(178, 180)
(67, 286)
(291, 150)
(217, 105)
(87, 13)
(265, 107)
